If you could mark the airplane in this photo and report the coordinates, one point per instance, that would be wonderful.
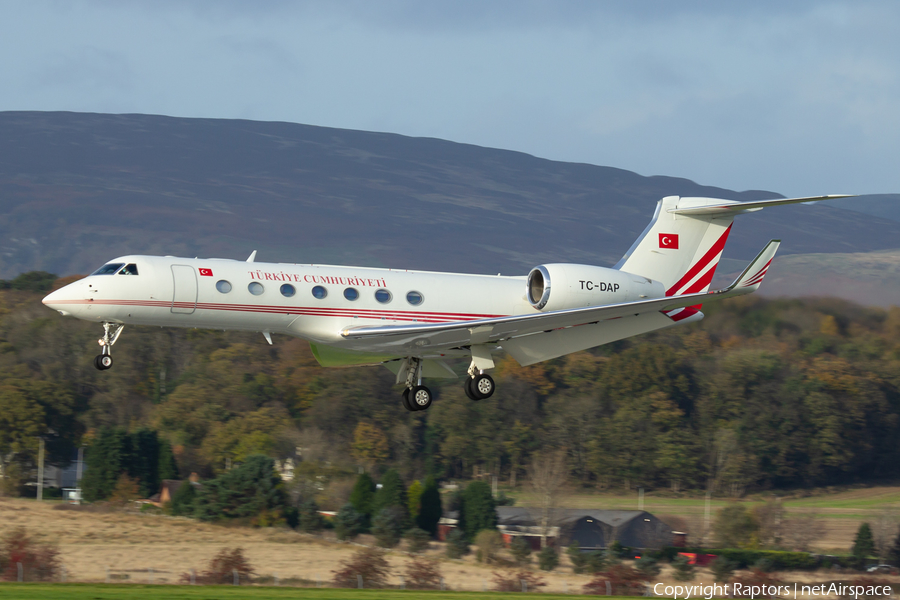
(413, 321)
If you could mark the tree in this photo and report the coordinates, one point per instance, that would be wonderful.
(577, 558)
(168, 468)
(414, 497)
(520, 550)
(547, 475)
(416, 540)
(388, 525)
(894, 552)
(548, 558)
(722, 569)
(370, 445)
(478, 510)
(182, 504)
(457, 544)
(735, 526)
(422, 574)
(684, 570)
(223, 566)
(252, 491)
(391, 494)
(349, 522)
(362, 495)
(430, 510)
(310, 519)
(489, 543)
(126, 491)
(106, 459)
(648, 567)
(863, 544)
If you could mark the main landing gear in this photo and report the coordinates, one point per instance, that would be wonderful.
(416, 396)
(479, 385)
(111, 333)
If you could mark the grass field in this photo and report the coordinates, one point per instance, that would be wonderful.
(80, 591)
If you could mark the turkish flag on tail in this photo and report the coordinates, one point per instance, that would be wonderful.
(668, 240)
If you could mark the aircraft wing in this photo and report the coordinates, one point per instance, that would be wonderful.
(429, 338)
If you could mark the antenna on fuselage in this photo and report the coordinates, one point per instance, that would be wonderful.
(252, 257)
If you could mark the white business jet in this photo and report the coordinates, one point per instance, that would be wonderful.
(412, 321)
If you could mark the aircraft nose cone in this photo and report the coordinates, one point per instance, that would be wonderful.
(60, 298)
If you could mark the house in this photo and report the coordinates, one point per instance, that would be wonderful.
(590, 529)
(170, 487)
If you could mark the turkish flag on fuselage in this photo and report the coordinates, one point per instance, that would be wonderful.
(206, 272)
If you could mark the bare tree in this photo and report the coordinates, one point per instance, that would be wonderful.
(548, 475)
(884, 530)
(770, 517)
(801, 531)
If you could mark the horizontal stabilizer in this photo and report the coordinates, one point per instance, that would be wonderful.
(719, 208)
(753, 275)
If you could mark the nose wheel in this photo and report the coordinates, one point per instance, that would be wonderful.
(111, 333)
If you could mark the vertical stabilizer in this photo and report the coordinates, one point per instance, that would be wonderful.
(680, 250)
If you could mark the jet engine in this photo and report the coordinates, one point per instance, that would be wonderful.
(560, 286)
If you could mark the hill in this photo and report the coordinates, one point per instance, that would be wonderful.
(77, 189)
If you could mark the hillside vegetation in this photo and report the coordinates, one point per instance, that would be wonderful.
(761, 394)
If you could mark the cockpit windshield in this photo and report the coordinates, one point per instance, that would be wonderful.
(130, 269)
(108, 269)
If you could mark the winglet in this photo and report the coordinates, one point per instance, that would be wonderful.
(753, 275)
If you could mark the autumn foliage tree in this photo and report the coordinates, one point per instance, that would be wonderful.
(368, 565)
(39, 561)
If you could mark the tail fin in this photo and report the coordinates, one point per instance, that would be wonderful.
(681, 251)
(682, 245)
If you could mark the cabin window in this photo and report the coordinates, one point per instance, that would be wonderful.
(319, 292)
(351, 294)
(129, 270)
(256, 288)
(415, 298)
(383, 296)
(109, 269)
(223, 286)
(287, 290)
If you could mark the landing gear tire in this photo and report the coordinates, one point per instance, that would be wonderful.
(103, 362)
(482, 386)
(420, 397)
(470, 391)
(407, 403)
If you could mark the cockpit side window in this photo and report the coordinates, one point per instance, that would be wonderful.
(108, 269)
(130, 269)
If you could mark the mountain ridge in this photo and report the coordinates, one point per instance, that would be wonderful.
(79, 188)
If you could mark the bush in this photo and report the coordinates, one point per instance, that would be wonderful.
(222, 567)
(489, 543)
(40, 562)
(348, 523)
(252, 491)
(548, 558)
(744, 559)
(388, 526)
(125, 492)
(684, 570)
(368, 563)
(863, 544)
(520, 550)
(618, 580)
(422, 574)
(457, 544)
(517, 582)
(416, 540)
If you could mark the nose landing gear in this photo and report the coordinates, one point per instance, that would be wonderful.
(111, 333)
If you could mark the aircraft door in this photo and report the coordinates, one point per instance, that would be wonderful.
(184, 299)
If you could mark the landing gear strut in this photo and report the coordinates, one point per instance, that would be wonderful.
(416, 396)
(111, 333)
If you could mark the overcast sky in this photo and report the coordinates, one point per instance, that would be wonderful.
(797, 97)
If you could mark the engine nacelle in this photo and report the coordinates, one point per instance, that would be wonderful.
(560, 286)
